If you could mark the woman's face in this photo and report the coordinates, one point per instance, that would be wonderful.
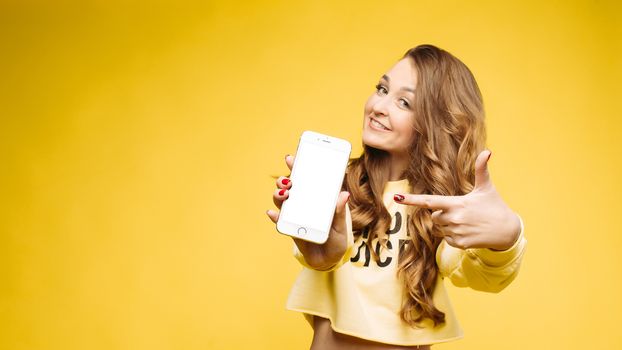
(391, 105)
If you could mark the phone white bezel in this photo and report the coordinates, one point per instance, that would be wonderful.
(306, 233)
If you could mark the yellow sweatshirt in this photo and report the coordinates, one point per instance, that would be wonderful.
(362, 298)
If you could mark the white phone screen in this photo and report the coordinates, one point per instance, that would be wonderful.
(317, 180)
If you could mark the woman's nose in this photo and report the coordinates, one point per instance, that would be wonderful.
(380, 107)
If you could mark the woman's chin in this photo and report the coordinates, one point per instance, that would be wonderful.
(371, 141)
(372, 137)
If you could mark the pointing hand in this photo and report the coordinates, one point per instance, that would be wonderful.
(479, 219)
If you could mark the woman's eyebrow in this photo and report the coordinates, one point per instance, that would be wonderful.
(385, 77)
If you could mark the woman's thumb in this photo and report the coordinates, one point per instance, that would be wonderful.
(341, 201)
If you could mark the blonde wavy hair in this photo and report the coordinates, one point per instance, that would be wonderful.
(449, 134)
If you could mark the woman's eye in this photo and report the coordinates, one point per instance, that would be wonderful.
(378, 87)
(406, 104)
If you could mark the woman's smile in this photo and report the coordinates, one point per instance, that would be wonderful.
(374, 124)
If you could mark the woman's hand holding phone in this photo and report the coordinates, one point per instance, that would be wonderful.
(320, 256)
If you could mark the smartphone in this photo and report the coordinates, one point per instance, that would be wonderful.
(317, 175)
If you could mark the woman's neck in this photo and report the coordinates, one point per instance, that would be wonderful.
(398, 164)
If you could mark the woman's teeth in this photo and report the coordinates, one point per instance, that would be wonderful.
(378, 124)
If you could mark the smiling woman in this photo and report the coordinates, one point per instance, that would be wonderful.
(393, 97)
(418, 206)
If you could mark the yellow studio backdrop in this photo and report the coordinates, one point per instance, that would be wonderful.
(137, 141)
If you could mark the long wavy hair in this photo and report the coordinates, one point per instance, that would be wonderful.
(449, 134)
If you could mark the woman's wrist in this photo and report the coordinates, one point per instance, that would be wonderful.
(322, 256)
(513, 232)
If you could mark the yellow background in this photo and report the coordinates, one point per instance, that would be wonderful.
(137, 140)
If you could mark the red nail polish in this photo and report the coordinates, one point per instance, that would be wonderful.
(285, 181)
(398, 197)
(281, 192)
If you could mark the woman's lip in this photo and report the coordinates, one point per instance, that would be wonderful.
(375, 127)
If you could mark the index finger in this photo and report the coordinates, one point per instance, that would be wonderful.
(428, 201)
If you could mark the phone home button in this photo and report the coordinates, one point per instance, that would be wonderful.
(302, 231)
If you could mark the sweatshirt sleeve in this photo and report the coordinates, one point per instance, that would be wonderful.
(482, 269)
(346, 256)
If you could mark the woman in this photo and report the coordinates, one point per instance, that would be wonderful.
(416, 207)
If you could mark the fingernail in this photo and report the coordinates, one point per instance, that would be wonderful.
(285, 181)
(489, 154)
(398, 197)
(281, 192)
(287, 155)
